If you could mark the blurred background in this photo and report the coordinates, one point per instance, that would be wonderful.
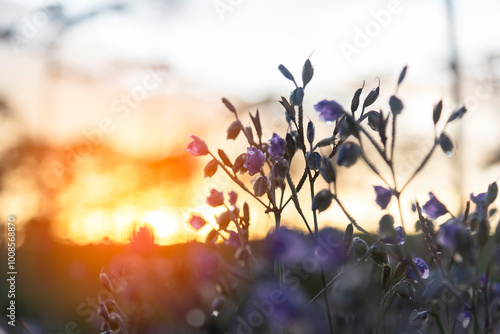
(98, 99)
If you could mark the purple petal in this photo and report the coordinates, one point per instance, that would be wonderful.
(197, 222)
(422, 268)
(233, 197)
(434, 208)
(216, 198)
(197, 146)
(255, 160)
(276, 147)
(329, 111)
(383, 196)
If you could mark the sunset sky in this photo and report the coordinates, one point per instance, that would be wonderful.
(79, 85)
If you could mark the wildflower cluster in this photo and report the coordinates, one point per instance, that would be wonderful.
(334, 281)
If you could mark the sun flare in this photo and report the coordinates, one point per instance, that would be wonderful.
(165, 223)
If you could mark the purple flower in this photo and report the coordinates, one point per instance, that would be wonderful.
(216, 198)
(197, 146)
(233, 240)
(455, 236)
(286, 245)
(330, 247)
(233, 197)
(280, 307)
(400, 235)
(383, 196)
(255, 160)
(276, 147)
(434, 208)
(447, 234)
(197, 222)
(422, 268)
(482, 280)
(329, 111)
(464, 318)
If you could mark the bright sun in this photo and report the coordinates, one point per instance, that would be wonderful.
(165, 223)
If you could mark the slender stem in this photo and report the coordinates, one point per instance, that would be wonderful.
(298, 188)
(393, 138)
(380, 150)
(322, 269)
(448, 316)
(422, 164)
(351, 220)
(370, 164)
(398, 197)
(315, 218)
(278, 264)
(439, 323)
(297, 204)
(487, 299)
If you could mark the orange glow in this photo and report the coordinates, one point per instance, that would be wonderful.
(107, 197)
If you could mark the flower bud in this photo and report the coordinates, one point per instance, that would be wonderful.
(223, 220)
(261, 185)
(310, 132)
(249, 134)
(279, 170)
(210, 168)
(492, 193)
(400, 269)
(327, 170)
(322, 200)
(228, 105)
(446, 144)
(297, 96)
(360, 247)
(286, 73)
(234, 130)
(355, 99)
(348, 154)
(238, 165)
(290, 111)
(379, 255)
(290, 146)
(386, 225)
(396, 105)
(314, 160)
(372, 96)
(307, 72)
(212, 237)
(223, 156)
(105, 281)
(404, 292)
(436, 114)
(373, 120)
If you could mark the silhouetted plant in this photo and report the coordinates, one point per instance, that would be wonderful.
(380, 282)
